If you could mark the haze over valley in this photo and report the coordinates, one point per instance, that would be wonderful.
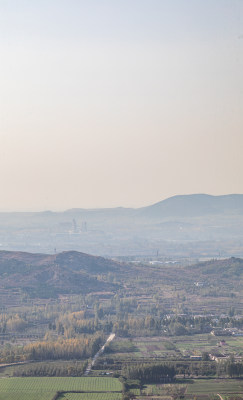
(187, 226)
(121, 206)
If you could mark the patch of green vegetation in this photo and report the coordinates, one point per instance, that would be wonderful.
(27, 396)
(168, 345)
(91, 396)
(200, 389)
(45, 388)
(121, 346)
(214, 386)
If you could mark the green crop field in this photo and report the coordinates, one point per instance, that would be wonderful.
(91, 396)
(27, 396)
(200, 389)
(45, 388)
(214, 386)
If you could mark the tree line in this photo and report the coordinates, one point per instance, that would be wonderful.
(149, 373)
(52, 369)
(65, 349)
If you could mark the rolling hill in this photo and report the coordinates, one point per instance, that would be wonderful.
(43, 275)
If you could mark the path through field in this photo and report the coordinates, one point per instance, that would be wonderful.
(221, 398)
(92, 363)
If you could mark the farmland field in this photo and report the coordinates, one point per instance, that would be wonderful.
(91, 396)
(45, 388)
(174, 346)
(203, 389)
(146, 347)
(214, 386)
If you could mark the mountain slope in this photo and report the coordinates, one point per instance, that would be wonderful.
(195, 205)
(43, 275)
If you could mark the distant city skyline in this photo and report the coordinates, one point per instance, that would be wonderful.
(108, 103)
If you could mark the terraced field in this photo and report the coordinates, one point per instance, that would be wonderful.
(45, 388)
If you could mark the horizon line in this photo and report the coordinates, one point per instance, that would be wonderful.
(46, 210)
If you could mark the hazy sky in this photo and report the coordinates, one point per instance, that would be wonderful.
(119, 102)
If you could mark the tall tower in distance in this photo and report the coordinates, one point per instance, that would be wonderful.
(75, 229)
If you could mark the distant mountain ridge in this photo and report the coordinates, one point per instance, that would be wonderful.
(181, 226)
(190, 205)
(195, 205)
(199, 204)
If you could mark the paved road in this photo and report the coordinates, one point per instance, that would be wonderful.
(92, 363)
